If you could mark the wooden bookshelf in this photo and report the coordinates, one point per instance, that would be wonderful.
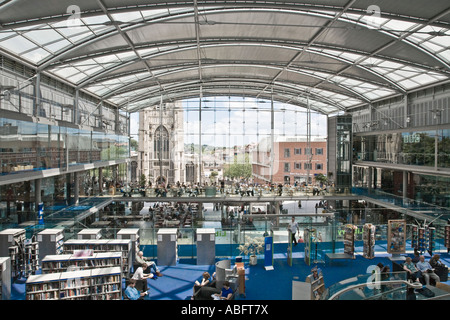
(317, 286)
(94, 284)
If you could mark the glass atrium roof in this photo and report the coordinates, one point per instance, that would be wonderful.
(330, 55)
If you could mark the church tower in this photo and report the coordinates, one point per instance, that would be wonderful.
(161, 143)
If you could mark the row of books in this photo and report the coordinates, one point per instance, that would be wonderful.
(84, 285)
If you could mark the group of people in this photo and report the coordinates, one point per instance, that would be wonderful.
(147, 269)
(143, 272)
(241, 188)
(418, 268)
(226, 293)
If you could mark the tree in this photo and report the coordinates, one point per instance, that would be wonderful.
(213, 176)
(142, 180)
(133, 145)
(320, 178)
(239, 170)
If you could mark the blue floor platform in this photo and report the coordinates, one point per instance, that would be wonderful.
(178, 280)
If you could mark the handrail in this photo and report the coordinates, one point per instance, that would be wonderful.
(360, 285)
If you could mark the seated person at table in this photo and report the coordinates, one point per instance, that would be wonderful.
(226, 292)
(132, 293)
(412, 272)
(427, 271)
(140, 259)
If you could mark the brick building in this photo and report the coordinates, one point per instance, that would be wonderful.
(292, 160)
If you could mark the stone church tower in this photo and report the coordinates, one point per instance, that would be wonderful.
(161, 143)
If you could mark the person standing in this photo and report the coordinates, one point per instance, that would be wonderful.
(293, 228)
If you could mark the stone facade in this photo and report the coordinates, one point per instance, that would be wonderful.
(162, 132)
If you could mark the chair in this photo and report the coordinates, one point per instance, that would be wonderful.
(442, 273)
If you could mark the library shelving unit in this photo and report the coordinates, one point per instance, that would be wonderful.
(106, 284)
(63, 262)
(102, 245)
(75, 285)
(5, 278)
(12, 244)
(31, 256)
(310, 289)
(369, 241)
(317, 285)
(90, 234)
(396, 236)
(349, 240)
(133, 235)
(50, 242)
(42, 287)
(94, 284)
(447, 237)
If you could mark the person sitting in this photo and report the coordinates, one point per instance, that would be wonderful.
(226, 292)
(411, 270)
(141, 277)
(206, 280)
(140, 259)
(440, 268)
(132, 293)
(427, 270)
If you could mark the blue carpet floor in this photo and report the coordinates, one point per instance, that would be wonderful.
(177, 282)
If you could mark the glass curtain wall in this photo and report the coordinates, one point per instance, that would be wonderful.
(28, 146)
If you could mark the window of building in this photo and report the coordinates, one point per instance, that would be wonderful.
(308, 150)
(287, 167)
(298, 165)
(319, 166)
(319, 151)
(287, 152)
(161, 143)
(308, 166)
(297, 150)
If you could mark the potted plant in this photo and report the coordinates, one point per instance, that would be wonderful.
(252, 247)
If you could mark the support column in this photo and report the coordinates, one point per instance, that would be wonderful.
(37, 192)
(100, 180)
(405, 184)
(369, 178)
(75, 107)
(76, 188)
(37, 95)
